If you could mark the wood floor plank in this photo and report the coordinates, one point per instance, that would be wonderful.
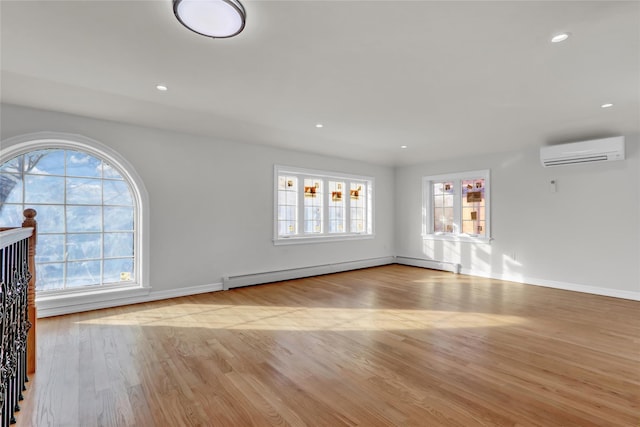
(385, 346)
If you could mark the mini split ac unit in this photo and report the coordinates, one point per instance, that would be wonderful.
(596, 150)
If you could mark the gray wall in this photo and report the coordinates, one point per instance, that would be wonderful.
(584, 235)
(211, 202)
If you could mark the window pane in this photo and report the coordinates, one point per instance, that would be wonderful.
(438, 220)
(110, 172)
(448, 220)
(50, 218)
(84, 246)
(83, 164)
(286, 228)
(45, 162)
(357, 200)
(448, 200)
(443, 220)
(83, 273)
(50, 277)
(117, 193)
(118, 245)
(474, 227)
(50, 248)
(337, 207)
(84, 218)
(473, 206)
(443, 200)
(11, 215)
(287, 205)
(118, 219)
(10, 188)
(438, 201)
(480, 228)
(118, 270)
(313, 197)
(44, 189)
(83, 191)
(12, 166)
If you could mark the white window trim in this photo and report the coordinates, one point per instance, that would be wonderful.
(427, 208)
(302, 239)
(18, 145)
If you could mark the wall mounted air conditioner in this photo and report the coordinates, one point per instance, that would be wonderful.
(595, 150)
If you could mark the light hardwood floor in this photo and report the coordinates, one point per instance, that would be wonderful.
(386, 346)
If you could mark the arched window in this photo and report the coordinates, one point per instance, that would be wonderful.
(90, 207)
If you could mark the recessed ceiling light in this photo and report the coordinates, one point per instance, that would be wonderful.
(403, 147)
(319, 125)
(559, 37)
(162, 88)
(606, 105)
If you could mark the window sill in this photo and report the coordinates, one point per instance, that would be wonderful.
(458, 238)
(63, 302)
(298, 240)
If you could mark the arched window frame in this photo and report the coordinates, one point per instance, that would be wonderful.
(22, 144)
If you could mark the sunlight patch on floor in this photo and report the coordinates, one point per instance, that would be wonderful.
(239, 317)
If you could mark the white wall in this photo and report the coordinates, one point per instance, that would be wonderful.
(211, 202)
(583, 237)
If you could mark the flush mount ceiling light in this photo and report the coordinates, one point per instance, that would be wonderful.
(559, 37)
(211, 18)
(607, 105)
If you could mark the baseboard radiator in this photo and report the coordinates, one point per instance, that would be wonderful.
(429, 263)
(235, 281)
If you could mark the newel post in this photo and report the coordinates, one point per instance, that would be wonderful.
(29, 221)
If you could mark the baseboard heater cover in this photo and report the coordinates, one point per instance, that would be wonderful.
(429, 263)
(229, 282)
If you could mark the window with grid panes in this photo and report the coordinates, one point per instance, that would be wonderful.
(457, 205)
(86, 217)
(319, 205)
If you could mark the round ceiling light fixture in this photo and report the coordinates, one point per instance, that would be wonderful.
(559, 38)
(211, 18)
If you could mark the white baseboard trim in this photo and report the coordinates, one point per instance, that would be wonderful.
(67, 304)
(566, 286)
(428, 263)
(616, 293)
(238, 280)
(456, 268)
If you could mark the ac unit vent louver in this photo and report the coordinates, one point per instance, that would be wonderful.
(596, 150)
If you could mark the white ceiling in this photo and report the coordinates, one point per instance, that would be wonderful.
(445, 78)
